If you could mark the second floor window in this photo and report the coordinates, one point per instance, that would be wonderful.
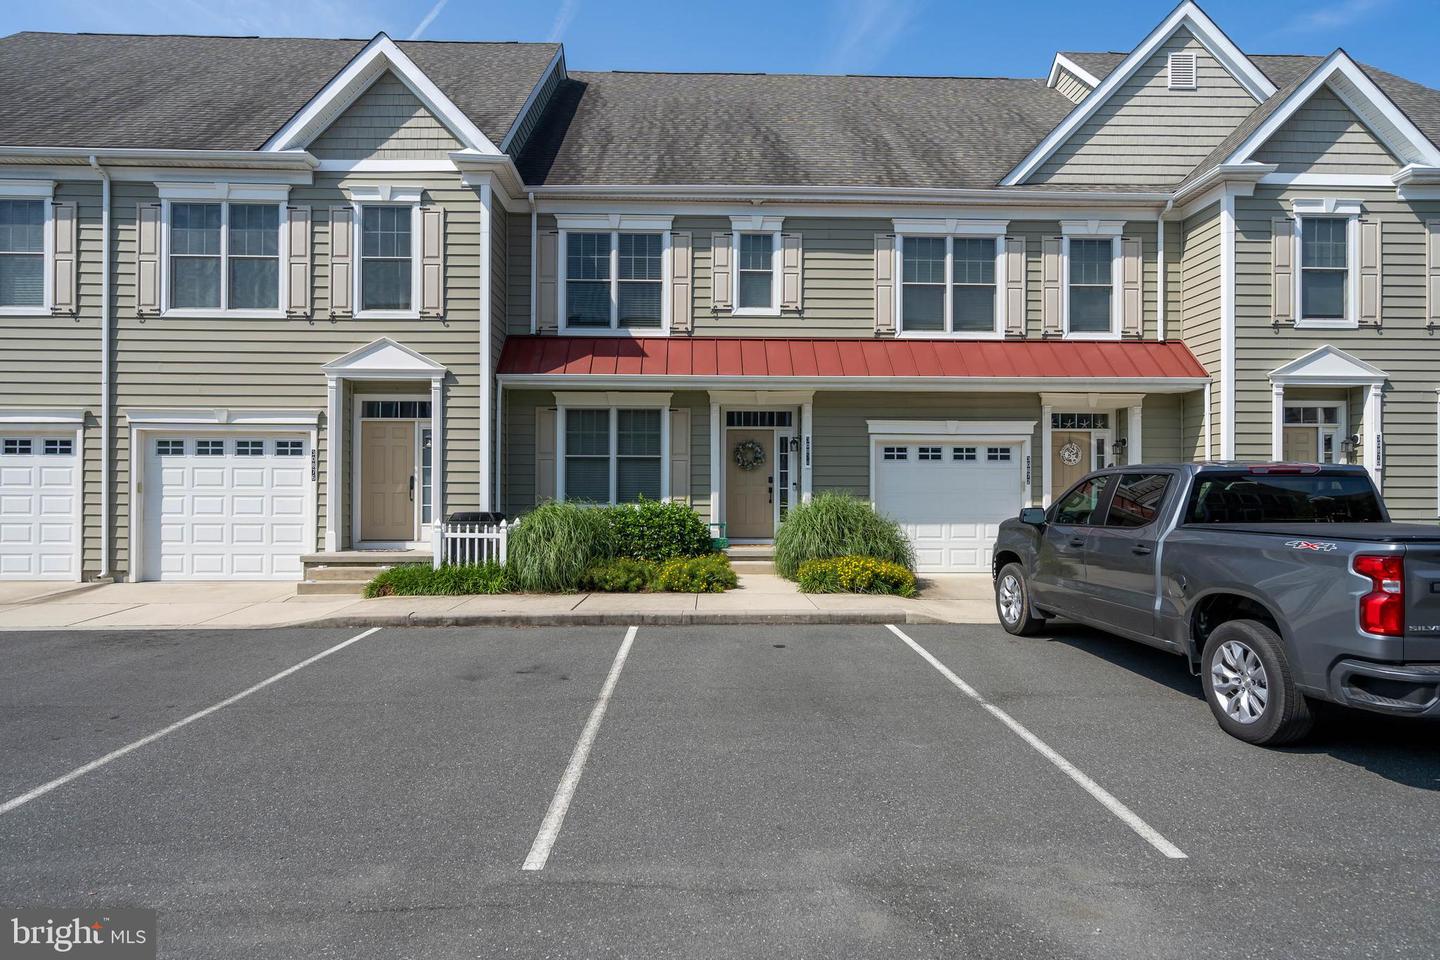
(385, 258)
(948, 285)
(224, 256)
(1324, 267)
(22, 253)
(756, 272)
(1092, 289)
(614, 281)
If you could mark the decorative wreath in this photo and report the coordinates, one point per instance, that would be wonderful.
(1070, 454)
(749, 454)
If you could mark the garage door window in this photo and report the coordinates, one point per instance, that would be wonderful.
(966, 454)
(896, 453)
(295, 448)
(1079, 505)
(59, 448)
(210, 448)
(930, 453)
(997, 454)
(16, 447)
(170, 448)
(250, 448)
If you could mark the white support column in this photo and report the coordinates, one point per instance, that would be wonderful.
(437, 453)
(1227, 326)
(717, 430)
(1374, 441)
(1205, 416)
(1045, 460)
(500, 447)
(559, 451)
(807, 456)
(1277, 422)
(1133, 448)
(334, 445)
(664, 454)
(487, 321)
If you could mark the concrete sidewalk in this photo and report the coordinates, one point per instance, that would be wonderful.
(760, 598)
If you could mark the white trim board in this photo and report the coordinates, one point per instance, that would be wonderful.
(1062, 62)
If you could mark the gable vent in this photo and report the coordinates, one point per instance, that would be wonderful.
(1182, 71)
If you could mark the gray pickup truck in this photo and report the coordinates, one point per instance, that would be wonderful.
(1281, 583)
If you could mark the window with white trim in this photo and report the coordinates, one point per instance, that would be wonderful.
(997, 454)
(210, 448)
(16, 446)
(1324, 267)
(896, 453)
(613, 454)
(614, 280)
(223, 256)
(249, 448)
(295, 448)
(929, 453)
(948, 285)
(755, 272)
(170, 448)
(22, 253)
(1090, 287)
(963, 454)
(387, 265)
(59, 447)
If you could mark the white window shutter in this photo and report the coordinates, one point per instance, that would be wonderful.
(342, 260)
(1282, 259)
(1050, 304)
(682, 283)
(63, 263)
(297, 256)
(885, 283)
(680, 455)
(147, 259)
(547, 310)
(1132, 300)
(1015, 286)
(1432, 272)
(791, 266)
(1371, 239)
(544, 454)
(721, 271)
(432, 261)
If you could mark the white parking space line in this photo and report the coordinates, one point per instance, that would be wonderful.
(1108, 801)
(78, 772)
(555, 816)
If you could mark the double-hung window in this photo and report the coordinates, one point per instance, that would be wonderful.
(22, 253)
(948, 285)
(755, 272)
(223, 256)
(614, 280)
(1091, 285)
(1324, 267)
(613, 454)
(386, 263)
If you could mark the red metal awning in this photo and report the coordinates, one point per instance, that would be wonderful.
(814, 358)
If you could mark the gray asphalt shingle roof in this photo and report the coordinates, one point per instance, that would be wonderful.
(222, 93)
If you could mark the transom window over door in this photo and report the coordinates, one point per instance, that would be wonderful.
(22, 253)
(224, 256)
(1324, 267)
(614, 280)
(948, 285)
(1091, 286)
(386, 264)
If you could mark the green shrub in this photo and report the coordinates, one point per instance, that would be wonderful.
(621, 575)
(657, 531)
(421, 580)
(837, 525)
(553, 545)
(707, 574)
(855, 575)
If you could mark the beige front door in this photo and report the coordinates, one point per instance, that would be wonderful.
(387, 480)
(749, 507)
(1068, 445)
(1302, 444)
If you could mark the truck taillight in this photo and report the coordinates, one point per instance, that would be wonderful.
(1382, 610)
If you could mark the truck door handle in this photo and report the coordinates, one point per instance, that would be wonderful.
(1141, 549)
(1077, 541)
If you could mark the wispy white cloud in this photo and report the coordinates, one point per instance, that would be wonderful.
(1343, 13)
(424, 24)
(868, 31)
(563, 16)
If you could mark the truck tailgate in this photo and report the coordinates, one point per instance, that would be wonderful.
(1422, 601)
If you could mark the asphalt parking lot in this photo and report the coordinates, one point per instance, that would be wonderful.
(746, 792)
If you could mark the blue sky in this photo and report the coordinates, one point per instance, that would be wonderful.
(956, 37)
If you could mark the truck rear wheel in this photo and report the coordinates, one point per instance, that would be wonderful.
(1250, 686)
(1012, 602)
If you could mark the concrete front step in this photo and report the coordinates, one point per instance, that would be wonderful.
(752, 566)
(361, 574)
(331, 588)
(750, 551)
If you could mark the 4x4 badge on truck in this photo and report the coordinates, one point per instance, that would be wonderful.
(1321, 546)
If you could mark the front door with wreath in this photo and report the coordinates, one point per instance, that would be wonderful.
(749, 467)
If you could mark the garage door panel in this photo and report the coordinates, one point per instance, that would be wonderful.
(248, 478)
(18, 565)
(38, 498)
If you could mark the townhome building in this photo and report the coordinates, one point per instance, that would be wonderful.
(264, 299)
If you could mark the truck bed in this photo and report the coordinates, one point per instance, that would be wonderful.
(1367, 532)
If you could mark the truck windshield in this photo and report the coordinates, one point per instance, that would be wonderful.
(1244, 497)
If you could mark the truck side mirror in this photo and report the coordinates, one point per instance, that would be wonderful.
(1033, 516)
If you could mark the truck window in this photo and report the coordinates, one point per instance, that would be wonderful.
(1137, 499)
(1244, 497)
(1078, 506)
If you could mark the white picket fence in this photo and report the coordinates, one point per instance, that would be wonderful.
(460, 543)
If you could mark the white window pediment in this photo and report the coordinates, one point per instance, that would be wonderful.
(384, 359)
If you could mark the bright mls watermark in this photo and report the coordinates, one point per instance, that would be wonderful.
(113, 934)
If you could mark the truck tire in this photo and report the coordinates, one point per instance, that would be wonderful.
(1250, 686)
(1012, 602)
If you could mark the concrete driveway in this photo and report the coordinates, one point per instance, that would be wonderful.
(721, 792)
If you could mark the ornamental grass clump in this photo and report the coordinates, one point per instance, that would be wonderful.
(855, 575)
(838, 525)
(553, 545)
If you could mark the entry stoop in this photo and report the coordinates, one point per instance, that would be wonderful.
(752, 557)
(345, 572)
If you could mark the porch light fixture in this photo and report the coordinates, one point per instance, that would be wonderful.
(1348, 446)
(794, 444)
(1117, 449)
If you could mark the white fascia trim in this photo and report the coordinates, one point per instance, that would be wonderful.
(1351, 84)
(1325, 207)
(951, 428)
(556, 61)
(27, 189)
(1328, 180)
(380, 54)
(611, 398)
(221, 416)
(847, 194)
(414, 365)
(1092, 228)
(1063, 62)
(279, 158)
(860, 384)
(1187, 14)
(370, 165)
(16, 416)
(219, 191)
(756, 223)
(762, 398)
(950, 227)
(1352, 370)
(1091, 401)
(611, 221)
(381, 193)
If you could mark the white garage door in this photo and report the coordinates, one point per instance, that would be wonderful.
(225, 506)
(39, 495)
(949, 498)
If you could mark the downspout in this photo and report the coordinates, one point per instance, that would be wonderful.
(534, 251)
(106, 534)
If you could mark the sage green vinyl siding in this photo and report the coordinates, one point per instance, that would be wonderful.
(517, 282)
(1201, 300)
(1147, 134)
(1323, 136)
(387, 122)
(240, 363)
(53, 362)
(1162, 429)
(1403, 348)
(1071, 86)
